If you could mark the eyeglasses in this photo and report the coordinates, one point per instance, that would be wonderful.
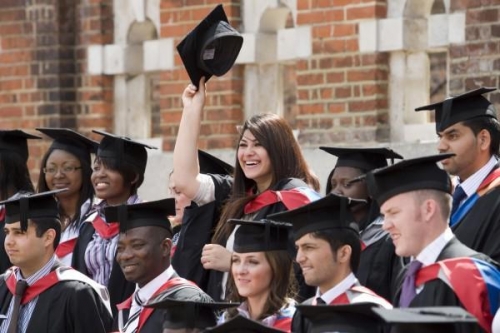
(65, 170)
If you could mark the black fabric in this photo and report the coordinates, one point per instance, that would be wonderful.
(365, 159)
(480, 228)
(209, 164)
(438, 293)
(463, 107)
(71, 141)
(330, 212)
(263, 235)
(198, 226)
(16, 141)
(387, 182)
(379, 267)
(66, 307)
(211, 48)
(144, 214)
(31, 206)
(119, 288)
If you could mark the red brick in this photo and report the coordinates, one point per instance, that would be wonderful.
(322, 31)
(311, 108)
(310, 79)
(343, 92)
(341, 30)
(14, 84)
(11, 111)
(336, 107)
(335, 77)
(365, 105)
(365, 12)
(326, 93)
(344, 3)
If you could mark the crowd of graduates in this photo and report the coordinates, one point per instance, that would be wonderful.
(392, 246)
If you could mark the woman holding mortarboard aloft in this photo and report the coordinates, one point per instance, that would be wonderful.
(118, 171)
(14, 175)
(67, 164)
(378, 266)
(269, 164)
(262, 276)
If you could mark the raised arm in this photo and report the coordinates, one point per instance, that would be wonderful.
(186, 168)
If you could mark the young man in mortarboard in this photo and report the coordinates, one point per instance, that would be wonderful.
(378, 265)
(442, 271)
(328, 251)
(39, 294)
(143, 253)
(467, 126)
(14, 175)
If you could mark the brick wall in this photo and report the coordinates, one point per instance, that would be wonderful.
(477, 62)
(337, 95)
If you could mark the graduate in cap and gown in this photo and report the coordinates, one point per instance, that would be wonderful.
(189, 313)
(378, 265)
(467, 126)
(14, 175)
(39, 294)
(262, 276)
(442, 270)
(241, 324)
(328, 251)
(67, 164)
(269, 165)
(118, 171)
(143, 253)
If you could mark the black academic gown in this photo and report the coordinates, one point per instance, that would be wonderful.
(4, 258)
(66, 307)
(438, 293)
(154, 323)
(479, 229)
(379, 267)
(198, 226)
(119, 288)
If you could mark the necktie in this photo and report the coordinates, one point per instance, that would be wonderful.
(132, 323)
(21, 286)
(320, 301)
(458, 196)
(408, 290)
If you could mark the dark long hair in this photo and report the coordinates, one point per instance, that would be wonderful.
(86, 191)
(283, 285)
(128, 171)
(275, 135)
(14, 175)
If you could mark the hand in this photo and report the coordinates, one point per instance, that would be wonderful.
(216, 257)
(194, 98)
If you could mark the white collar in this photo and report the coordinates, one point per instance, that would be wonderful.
(338, 290)
(148, 290)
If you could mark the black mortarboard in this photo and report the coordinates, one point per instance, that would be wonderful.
(188, 313)
(211, 164)
(69, 140)
(351, 318)
(414, 174)
(240, 324)
(428, 319)
(123, 149)
(145, 214)
(330, 212)
(211, 48)
(460, 108)
(16, 141)
(263, 235)
(26, 206)
(365, 159)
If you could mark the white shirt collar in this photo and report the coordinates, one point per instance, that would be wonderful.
(152, 286)
(338, 290)
(471, 184)
(431, 252)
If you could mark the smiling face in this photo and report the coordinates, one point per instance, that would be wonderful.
(58, 161)
(319, 264)
(142, 254)
(252, 274)
(109, 184)
(341, 184)
(254, 161)
(460, 140)
(403, 220)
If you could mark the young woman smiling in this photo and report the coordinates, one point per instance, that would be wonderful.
(66, 164)
(262, 278)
